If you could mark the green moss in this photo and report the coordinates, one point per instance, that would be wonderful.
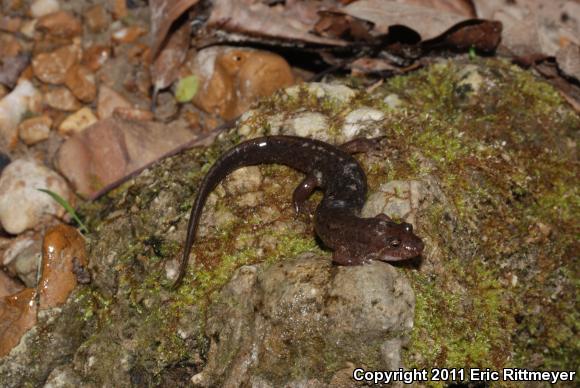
(498, 284)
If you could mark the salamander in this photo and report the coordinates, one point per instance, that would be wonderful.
(353, 240)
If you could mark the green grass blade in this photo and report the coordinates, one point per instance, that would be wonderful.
(69, 209)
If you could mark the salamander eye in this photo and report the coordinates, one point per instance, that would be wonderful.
(395, 242)
(408, 227)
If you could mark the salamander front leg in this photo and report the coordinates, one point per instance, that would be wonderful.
(303, 191)
(362, 145)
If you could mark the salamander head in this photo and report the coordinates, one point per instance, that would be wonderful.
(393, 241)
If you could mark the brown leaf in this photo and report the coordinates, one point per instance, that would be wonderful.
(293, 22)
(163, 14)
(336, 25)
(165, 69)
(482, 35)
(460, 7)
(533, 26)
(386, 13)
(112, 149)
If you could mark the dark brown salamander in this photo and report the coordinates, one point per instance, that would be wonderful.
(354, 240)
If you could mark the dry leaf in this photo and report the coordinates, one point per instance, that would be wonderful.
(163, 14)
(292, 22)
(166, 67)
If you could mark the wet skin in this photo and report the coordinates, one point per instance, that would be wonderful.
(353, 240)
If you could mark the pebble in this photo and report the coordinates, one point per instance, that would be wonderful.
(393, 101)
(135, 114)
(337, 92)
(128, 34)
(119, 9)
(53, 67)
(34, 130)
(61, 24)
(40, 8)
(360, 119)
(24, 98)
(309, 124)
(64, 264)
(96, 56)
(22, 257)
(398, 199)
(232, 78)
(22, 206)
(77, 121)
(81, 82)
(61, 98)
(97, 18)
(18, 314)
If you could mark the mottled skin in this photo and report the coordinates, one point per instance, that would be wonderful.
(353, 239)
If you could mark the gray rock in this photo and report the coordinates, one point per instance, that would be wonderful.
(306, 313)
(22, 206)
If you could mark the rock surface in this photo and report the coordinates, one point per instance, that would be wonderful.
(492, 200)
(305, 313)
(22, 206)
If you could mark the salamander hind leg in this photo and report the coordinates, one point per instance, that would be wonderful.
(303, 191)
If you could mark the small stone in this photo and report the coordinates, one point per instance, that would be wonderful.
(8, 285)
(35, 129)
(135, 114)
(40, 8)
(61, 98)
(398, 199)
(22, 206)
(119, 9)
(81, 82)
(243, 180)
(128, 34)
(18, 314)
(24, 98)
(309, 124)
(28, 28)
(232, 78)
(10, 24)
(63, 259)
(23, 257)
(166, 107)
(61, 24)
(77, 122)
(360, 119)
(97, 18)
(53, 67)
(337, 92)
(108, 101)
(393, 101)
(95, 56)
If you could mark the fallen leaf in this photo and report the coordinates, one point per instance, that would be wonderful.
(186, 88)
(165, 69)
(291, 23)
(163, 14)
